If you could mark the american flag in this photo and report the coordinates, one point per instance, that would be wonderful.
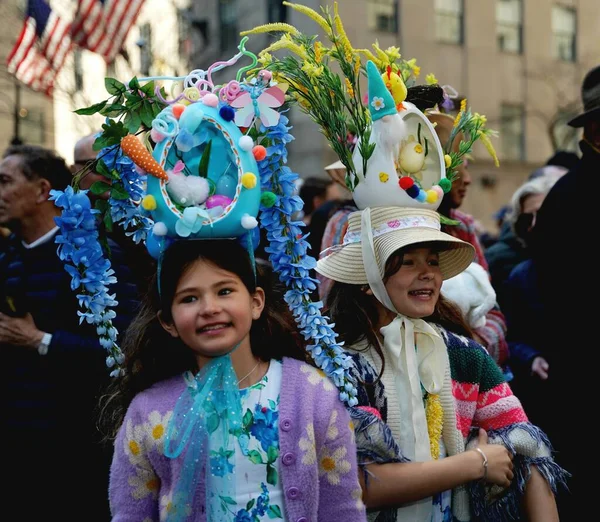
(102, 25)
(41, 49)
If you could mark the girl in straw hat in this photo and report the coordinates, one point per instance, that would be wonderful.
(426, 392)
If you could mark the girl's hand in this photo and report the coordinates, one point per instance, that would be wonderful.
(500, 466)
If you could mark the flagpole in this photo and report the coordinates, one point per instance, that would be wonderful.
(16, 140)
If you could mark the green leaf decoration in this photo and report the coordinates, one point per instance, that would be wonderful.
(112, 133)
(113, 110)
(108, 222)
(274, 512)
(114, 87)
(447, 221)
(132, 121)
(248, 418)
(93, 109)
(134, 84)
(100, 187)
(255, 457)
(146, 113)
(227, 500)
(250, 504)
(119, 192)
(271, 475)
(272, 454)
(212, 423)
(203, 165)
(101, 205)
(102, 169)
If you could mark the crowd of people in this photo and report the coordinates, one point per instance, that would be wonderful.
(463, 364)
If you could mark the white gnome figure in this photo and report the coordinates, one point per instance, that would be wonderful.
(379, 186)
(187, 191)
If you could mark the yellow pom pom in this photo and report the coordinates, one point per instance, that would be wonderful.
(149, 203)
(249, 180)
(432, 196)
(383, 177)
(447, 160)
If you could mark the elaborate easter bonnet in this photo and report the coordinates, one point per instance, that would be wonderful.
(398, 171)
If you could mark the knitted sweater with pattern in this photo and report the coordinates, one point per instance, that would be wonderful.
(474, 395)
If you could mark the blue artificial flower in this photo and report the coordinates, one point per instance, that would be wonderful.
(243, 516)
(219, 463)
(264, 427)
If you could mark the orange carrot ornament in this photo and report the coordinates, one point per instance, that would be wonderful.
(140, 155)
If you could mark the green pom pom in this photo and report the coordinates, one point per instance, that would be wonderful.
(268, 199)
(445, 185)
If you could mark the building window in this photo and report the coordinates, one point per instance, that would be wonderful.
(276, 11)
(449, 21)
(509, 25)
(512, 132)
(228, 24)
(78, 69)
(382, 15)
(564, 28)
(145, 45)
(32, 128)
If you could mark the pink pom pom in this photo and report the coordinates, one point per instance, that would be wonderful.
(156, 136)
(210, 100)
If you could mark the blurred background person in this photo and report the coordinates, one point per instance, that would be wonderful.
(512, 245)
(562, 242)
(53, 367)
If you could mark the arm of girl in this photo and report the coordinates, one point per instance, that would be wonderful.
(539, 503)
(395, 484)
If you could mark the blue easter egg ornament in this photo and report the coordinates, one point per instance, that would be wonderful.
(223, 166)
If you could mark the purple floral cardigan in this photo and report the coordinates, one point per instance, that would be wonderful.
(316, 440)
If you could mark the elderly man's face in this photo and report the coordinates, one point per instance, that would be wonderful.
(19, 196)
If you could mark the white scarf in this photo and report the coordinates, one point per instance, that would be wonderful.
(412, 365)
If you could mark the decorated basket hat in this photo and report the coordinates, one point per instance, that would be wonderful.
(398, 171)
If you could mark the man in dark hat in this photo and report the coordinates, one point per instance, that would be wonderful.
(562, 241)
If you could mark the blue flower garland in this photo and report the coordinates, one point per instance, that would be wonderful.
(127, 212)
(287, 253)
(90, 271)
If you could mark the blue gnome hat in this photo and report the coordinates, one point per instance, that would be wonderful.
(381, 102)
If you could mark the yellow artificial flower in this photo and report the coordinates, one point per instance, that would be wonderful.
(318, 51)
(265, 59)
(430, 79)
(447, 160)
(463, 108)
(272, 28)
(393, 53)
(349, 87)
(435, 422)
(339, 27)
(371, 56)
(312, 14)
(311, 70)
(416, 71)
(382, 57)
(487, 143)
(285, 42)
(479, 118)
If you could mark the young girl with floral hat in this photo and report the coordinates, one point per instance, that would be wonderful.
(198, 440)
(439, 434)
(215, 414)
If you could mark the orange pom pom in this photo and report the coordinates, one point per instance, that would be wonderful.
(260, 153)
(141, 156)
(177, 108)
